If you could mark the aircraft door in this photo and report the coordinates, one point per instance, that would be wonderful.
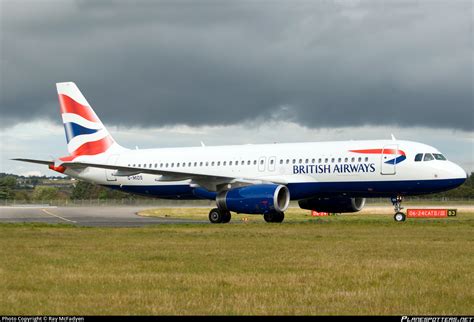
(261, 164)
(112, 160)
(388, 159)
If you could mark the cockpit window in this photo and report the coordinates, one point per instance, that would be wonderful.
(419, 157)
(439, 156)
(428, 157)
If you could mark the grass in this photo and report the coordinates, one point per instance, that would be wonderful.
(334, 265)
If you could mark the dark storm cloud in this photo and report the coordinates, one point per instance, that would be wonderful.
(326, 63)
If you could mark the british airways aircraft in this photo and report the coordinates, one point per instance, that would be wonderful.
(260, 179)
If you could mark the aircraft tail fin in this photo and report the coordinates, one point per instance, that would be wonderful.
(85, 133)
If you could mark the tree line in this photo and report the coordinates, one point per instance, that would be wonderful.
(36, 189)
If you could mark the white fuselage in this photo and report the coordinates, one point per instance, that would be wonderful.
(308, 169)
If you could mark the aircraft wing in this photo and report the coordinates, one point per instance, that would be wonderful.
(208, 181)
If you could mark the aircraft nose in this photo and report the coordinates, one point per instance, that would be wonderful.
(457, 174)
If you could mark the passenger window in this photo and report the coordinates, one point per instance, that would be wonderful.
(332, 160)
(339, 160)
(156, 165)
(418, 157)
(212, 163)
(248, 162)
(319, 160)
(326, 160)
(254, 162)
(172, 164)
(218, 163)
(224, 163)
(230, 162)
(353, 159)
(360, 159)
(189, 164)
(294, 161)
(428, 157)
(177, 165)
(195, 164)
(161, 165)
(346, 159)
(366, 159)
(200, 164)
(281, 161)
(207, 163)
(134, 165)
(313, 161)
(439, 157)
(307, 161)
(301, 161)
(261, 161)
(287, 161)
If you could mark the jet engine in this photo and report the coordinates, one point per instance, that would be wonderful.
(255, 199)
(334, 205)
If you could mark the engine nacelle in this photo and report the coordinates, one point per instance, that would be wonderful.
(255, 199)
(334, 205)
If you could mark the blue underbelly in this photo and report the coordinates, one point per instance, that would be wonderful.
(304, 190)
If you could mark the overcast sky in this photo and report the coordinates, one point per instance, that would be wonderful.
(165, 73)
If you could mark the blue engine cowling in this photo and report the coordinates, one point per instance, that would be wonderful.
(255, 199)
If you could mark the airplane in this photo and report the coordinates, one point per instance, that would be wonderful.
(259, 179)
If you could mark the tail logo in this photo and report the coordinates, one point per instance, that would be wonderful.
(85, 133)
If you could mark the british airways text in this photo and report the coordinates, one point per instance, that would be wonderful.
(336, 168)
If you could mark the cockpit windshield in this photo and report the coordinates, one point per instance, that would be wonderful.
(439, 156)
(429, 157)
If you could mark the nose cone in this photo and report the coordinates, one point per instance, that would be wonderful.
(458, 172)
(457, 175)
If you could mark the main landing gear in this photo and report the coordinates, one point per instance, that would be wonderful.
(218, 216)
(274, 216)
(397, 204)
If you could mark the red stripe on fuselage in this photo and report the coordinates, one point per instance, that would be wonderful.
(91, 148)
(69, 105)
(379, 151)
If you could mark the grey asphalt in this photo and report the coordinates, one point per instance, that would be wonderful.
(110, 216)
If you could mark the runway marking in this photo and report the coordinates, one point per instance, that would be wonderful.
(51, 214)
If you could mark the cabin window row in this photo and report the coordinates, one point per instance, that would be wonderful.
(248, 162)
(325, 160)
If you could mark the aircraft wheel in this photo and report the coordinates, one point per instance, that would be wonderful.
(399, 217)
(274, 216)
(226, 216)
(216, 216)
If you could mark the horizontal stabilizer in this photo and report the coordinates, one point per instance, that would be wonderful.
(36, 161)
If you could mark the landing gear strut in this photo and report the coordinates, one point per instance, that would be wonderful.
(397, 204)
(274, 216)
(218, 216)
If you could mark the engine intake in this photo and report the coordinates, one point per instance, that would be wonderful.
(335, 205)
(255, 199)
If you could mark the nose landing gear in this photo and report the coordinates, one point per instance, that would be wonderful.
(397, 204)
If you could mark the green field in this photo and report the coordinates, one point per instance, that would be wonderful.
(364, 264)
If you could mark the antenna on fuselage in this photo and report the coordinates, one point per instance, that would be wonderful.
(393, 137)
(202, 144)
